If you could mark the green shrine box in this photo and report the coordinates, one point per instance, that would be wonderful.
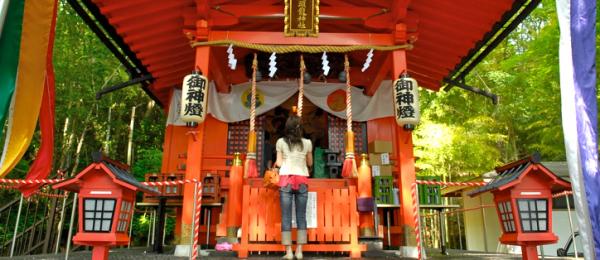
(429, 194)
(319, 164)
(383, 189)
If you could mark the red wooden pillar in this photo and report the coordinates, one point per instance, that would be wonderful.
(100, 252)
(529, 252)
(406, 160)
(195, 138)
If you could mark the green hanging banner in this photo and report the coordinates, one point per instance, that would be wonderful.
(10, 43)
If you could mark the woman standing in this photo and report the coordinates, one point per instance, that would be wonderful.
(294, 156)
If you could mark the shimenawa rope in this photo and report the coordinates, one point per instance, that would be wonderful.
(301, 48)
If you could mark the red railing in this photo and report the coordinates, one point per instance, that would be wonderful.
(175, 190)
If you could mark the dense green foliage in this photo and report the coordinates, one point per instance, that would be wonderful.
(464, 135)
(83, 66)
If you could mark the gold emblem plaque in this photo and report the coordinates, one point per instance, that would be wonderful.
(301, 18)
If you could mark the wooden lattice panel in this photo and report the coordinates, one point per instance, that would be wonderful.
(237, 138)
(337, 131)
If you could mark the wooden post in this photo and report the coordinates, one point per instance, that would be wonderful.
(194, 155)
(177, 220)
(529, 252)
(406, 160)
(159, 231)
(149, 230)
(100, 253)
(70, 236)
(50, 225)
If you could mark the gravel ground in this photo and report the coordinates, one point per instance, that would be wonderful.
(140, 253)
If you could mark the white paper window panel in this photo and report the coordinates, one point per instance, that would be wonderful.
(99, 204)
(90, 204)
(541, 205)
(105, 225)
(543, 226)
(523, 205)
(109, 205)
(89, 224)
(508, 206)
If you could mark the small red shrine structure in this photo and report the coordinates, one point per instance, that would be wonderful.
(106, 202)
(523, 195)
(159, 42)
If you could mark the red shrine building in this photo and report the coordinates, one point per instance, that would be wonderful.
(159, 42)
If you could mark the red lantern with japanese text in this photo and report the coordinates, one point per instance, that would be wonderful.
(406, 101)
(105, 204)
(194, 97)
(523, 196)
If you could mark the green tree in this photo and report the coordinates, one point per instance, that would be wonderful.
(523, 71)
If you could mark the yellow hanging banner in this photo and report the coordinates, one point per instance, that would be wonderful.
(26, 102)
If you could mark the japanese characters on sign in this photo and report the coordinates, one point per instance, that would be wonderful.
(406, 101)
(194, 98)
(301, 18)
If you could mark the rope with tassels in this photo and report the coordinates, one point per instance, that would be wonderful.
(301, 87)
(301, 48)
(348, 94)
(349, 168)
(250, 169)
(253, 97)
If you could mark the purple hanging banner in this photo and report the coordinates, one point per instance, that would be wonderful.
(577, 20)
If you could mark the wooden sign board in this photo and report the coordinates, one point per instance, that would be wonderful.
(301, 18)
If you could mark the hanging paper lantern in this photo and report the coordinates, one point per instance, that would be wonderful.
(194, 96)
(406, 101)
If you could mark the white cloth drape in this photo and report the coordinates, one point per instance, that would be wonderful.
(229, 107)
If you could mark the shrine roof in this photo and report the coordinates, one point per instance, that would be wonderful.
(513, 172)
(117, 171)
(125, 176)
(150, 37)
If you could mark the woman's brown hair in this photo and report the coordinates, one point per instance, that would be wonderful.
(293, 133)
